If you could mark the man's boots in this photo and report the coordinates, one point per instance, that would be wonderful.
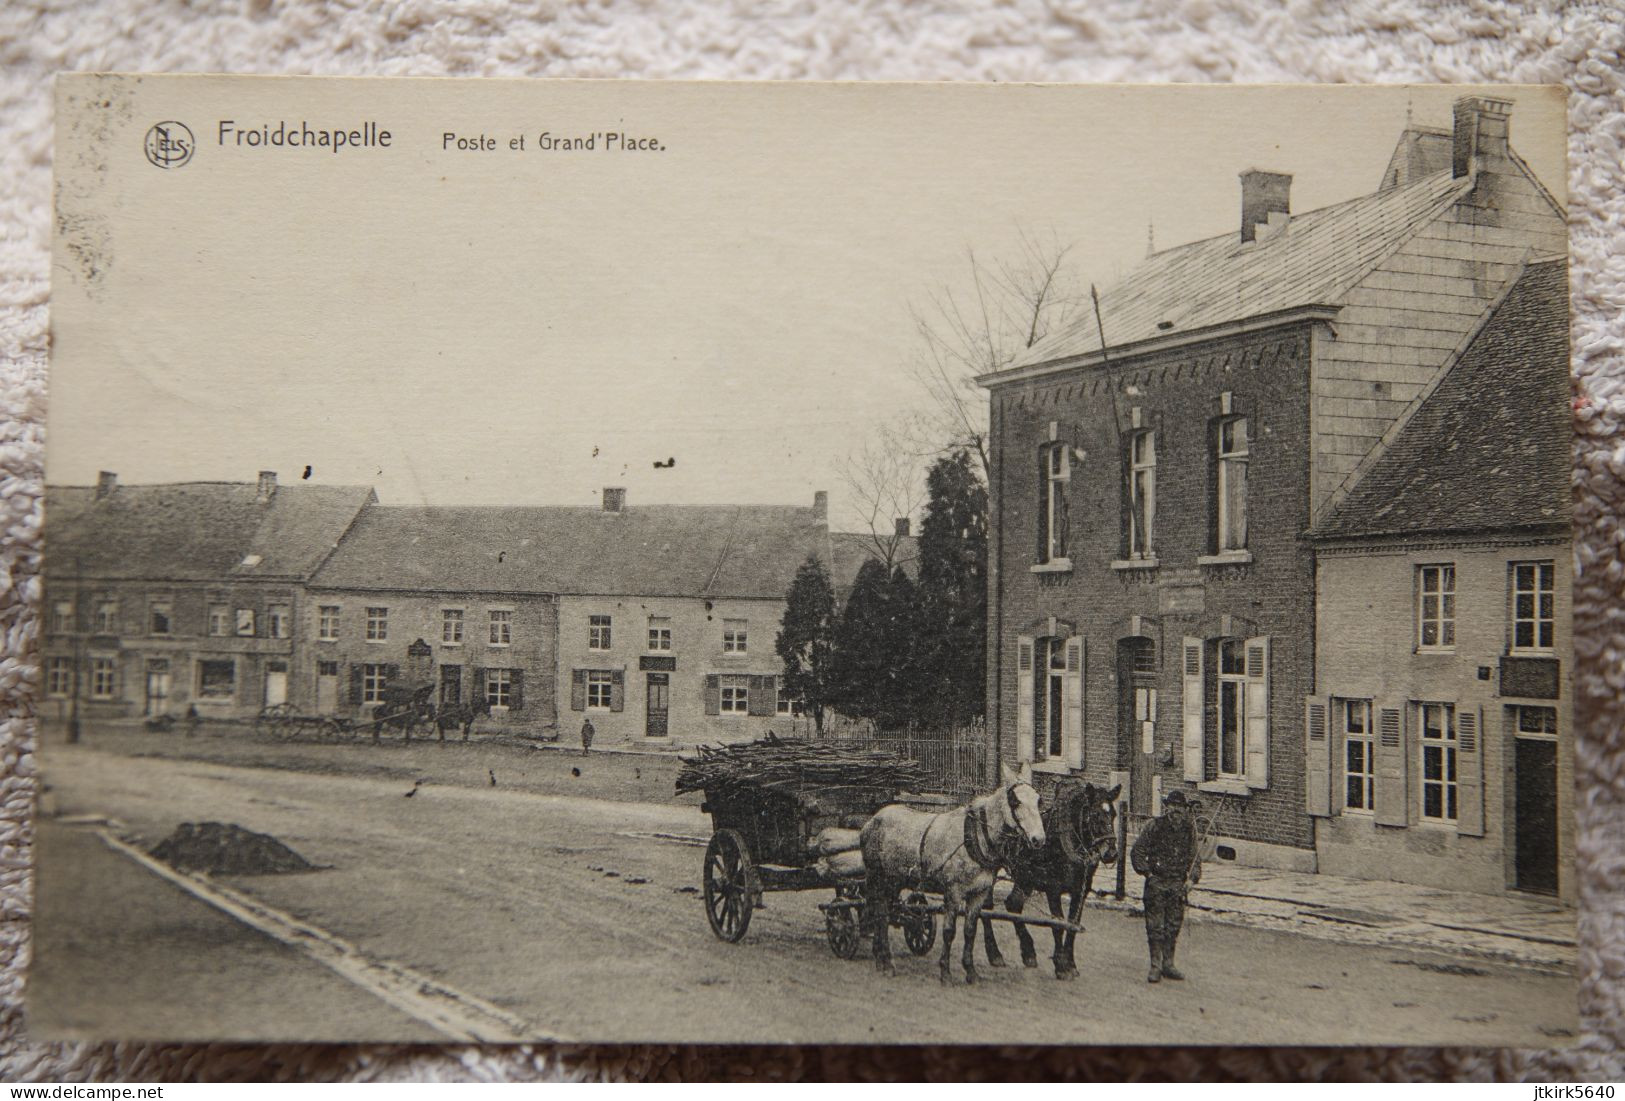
(1157, 964)
(1169, 971)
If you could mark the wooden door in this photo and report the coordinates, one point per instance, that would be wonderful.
(1535, 801)
(658, 696)
(157, 686)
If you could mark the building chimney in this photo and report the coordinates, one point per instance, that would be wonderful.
(821, 506)
(1262, 194)
(1480, 129)
(106, 482)
(267, 486)
(614, 498)
(902, 527)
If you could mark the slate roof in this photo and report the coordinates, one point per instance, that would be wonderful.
(645, 550)
(1317, 258)
(1489, 448)
(196, 531)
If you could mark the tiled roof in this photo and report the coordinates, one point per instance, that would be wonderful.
(1314, 260)
(649, 550)
(1488, 449)
(196, 530)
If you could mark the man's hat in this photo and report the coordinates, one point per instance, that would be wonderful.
(1174, 799)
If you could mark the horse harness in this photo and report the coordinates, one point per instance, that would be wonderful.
(979, 842)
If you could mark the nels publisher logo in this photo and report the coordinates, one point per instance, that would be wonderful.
(170, 144)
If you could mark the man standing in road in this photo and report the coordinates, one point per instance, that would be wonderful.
(1166, 854)
(586, 736)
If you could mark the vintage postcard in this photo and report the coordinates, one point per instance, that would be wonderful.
(807, 563)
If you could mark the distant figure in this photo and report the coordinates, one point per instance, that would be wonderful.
(1166, 854)
(192, 719)
(586, 736)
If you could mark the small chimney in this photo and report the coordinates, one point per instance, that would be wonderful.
(1262, 194)
(106, 482)
(821, 506)
(902, 527)
(267, 486)
(614, 499)
(1480, 129)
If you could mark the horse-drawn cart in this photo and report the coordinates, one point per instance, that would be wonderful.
(770, 802)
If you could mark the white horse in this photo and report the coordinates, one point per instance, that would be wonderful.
(957, 853)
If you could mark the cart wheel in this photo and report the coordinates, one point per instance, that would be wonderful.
(919, 925)
(730, 885)
(842, 924)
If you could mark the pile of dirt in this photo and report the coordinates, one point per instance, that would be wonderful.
(227, 849)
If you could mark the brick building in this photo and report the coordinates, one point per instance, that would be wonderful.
(1151, 587)
(1440, 732)
(159, 598)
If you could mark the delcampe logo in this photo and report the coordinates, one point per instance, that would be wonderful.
(170, 144)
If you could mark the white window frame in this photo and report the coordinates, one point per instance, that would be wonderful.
(1232, 683)
(451, 626)
(103, 678)
(106, 621)
(1049, 699)
(1354, 719)
(1436, 607)
(327, 623)
(660, 634)
(501, 627)
(374, 679)
(1232, 456)
(62, 617)
(600, 686)
(1541, 615)
(278, 621)
(784, 705)
(1442, 747)
(733, 694)
(499, 688)
(219, 620)
(1055, 470)
(1545, 730)
(59, 677)
(377, 624)
(735, 636)
(600, 632)
(1142, 495)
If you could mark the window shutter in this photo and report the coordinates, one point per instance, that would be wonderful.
(617, 690)
(1192, 709)
(1072, 717)
(392, 673)
(1469, 772)
(1024, 698)
(1317, 791)
(761, 701)
(578, 690)
(516, 689)
(355, 684)
(1258, 713)
(1392, 785)
(713, 694)
(478, 690)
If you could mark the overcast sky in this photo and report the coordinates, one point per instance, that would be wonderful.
(528, 327)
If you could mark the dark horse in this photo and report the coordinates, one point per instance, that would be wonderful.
(1080, 828)
(450, 716)
(403, 708)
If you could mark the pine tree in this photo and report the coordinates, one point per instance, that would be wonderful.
(806, 637)
(953, 593)
(858, 667)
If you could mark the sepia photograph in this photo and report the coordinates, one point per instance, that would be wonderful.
(810, 563)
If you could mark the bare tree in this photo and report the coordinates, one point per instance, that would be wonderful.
(885, 482)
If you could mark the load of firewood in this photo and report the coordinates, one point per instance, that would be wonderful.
(794, 765)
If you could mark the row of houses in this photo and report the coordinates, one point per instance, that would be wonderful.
(1286, 526)
(657, 622)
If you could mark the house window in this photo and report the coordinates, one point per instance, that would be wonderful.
(373, 680)
(786, 705)
(735, 699)
(733, 636)
(501, 627)
(1054, 474)
(1232, 708)
(1232, 484)
(659, 633)
(103, 678)
(1142, 493)
(499, 687)
(106, 617)
(216, 680)
(1537, 722)
(1436, 607)
(160, 617)
(327, 622)
(451, 626)
(1533, 613)
(1359, 769)
(1438, 743)
(377, 624)
(219, 620)
(59, 677)
(62, 617)
(277, 621)
(1049, 688)
(245, 622)
(327, 668)
(600, 685)
(598, 632)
